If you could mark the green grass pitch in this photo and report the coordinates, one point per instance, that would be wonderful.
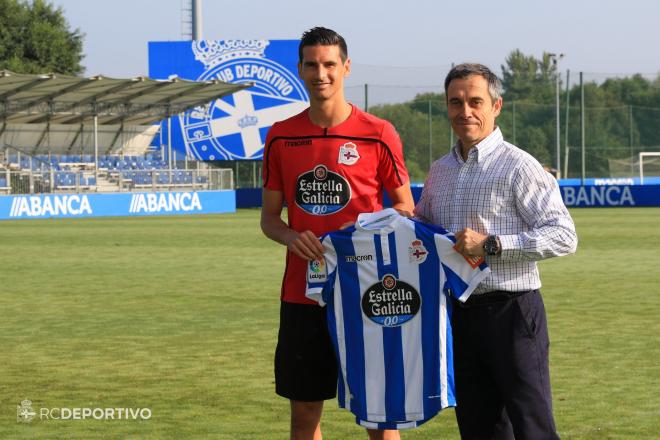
(179, 314)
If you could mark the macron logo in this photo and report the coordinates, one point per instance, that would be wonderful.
(165, 202)
(45, 206)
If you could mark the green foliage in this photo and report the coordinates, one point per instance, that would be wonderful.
(411, 120)
(413, 130)
(526, 78)
(35, 38)
(535, 141)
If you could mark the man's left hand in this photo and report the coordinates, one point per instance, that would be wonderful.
(470, 243)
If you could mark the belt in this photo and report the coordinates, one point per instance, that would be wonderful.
(493, 297)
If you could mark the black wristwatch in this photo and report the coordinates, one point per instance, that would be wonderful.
(492, 245)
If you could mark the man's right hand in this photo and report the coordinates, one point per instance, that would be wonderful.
(304, 244)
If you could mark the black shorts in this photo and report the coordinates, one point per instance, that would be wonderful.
(305, 363)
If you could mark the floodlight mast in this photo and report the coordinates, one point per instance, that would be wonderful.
(554, 58)
(196, 19)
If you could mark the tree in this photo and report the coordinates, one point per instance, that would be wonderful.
(534, 140)
(412, 127)
(530, 84)
(518, 75)
(525, 77)
(35, 38)
(411, 120)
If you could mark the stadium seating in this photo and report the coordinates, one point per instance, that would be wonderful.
(74, 171)
(149, 161)
(68, 180)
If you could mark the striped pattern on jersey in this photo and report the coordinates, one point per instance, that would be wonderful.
(396, 366)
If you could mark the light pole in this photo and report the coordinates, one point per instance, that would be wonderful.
(555, 61)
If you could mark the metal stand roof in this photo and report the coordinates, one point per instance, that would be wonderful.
(62, 99)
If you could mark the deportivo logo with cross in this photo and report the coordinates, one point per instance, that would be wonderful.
(348, 154)
(417, 252)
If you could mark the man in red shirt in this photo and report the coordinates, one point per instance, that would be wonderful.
(329, 163)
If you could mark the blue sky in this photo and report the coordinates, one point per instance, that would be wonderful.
(603, 38)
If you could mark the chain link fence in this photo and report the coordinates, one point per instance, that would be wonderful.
(593, 137)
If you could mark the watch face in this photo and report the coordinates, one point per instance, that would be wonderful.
(490, 246)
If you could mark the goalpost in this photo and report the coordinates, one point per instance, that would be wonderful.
(641, 163)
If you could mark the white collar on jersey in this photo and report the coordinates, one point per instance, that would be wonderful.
(381, 221)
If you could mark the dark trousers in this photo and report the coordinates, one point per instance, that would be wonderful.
(501, 368)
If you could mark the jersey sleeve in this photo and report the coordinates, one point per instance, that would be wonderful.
(320, 273)
(462, 274)
(271, 169)
(391, 167)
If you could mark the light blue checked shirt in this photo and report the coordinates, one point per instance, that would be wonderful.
(501, 190)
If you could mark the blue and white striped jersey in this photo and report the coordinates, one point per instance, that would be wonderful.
(386, 283)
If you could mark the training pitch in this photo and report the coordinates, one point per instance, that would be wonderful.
(178, 315)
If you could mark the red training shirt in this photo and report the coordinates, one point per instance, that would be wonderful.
(328, 176)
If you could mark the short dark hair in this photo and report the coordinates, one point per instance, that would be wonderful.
(464, 70)
(320, 36)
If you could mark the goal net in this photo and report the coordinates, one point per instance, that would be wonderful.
(649, 165)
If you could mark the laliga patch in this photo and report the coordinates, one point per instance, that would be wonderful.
(417, 253)
(348, 154)
(316, 271)
(474, 262)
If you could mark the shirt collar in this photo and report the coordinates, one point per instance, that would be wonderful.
(483, 148)
(378, 222)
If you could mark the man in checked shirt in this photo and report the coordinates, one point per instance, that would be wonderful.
(504, 207)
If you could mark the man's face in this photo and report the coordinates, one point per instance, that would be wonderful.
(471, 110)
(323, 71)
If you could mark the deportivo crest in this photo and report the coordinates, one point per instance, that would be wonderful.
(321, 191)
(417, 253)
(25, 413)
(235, 127)
(348, 154)
(391, 302)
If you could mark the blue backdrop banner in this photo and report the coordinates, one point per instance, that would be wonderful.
(610, 195)
(575, 196)
(116, 204)
(234, 127)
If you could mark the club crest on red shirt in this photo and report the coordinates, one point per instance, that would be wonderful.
(348, 154)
